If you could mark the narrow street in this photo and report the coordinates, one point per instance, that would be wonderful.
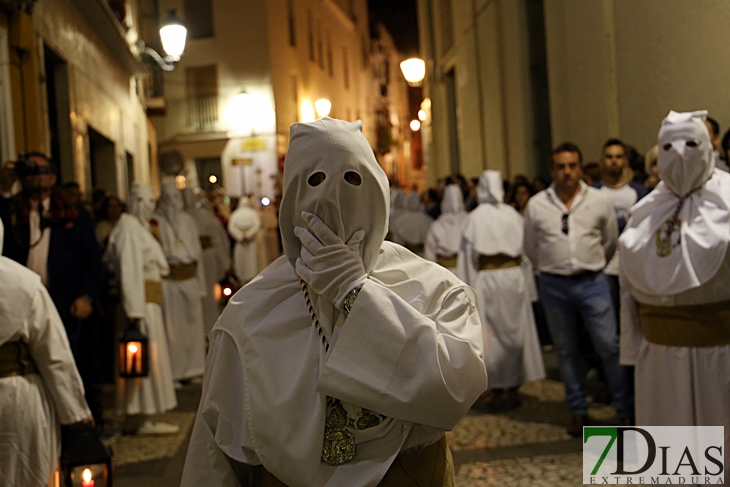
(524, 447)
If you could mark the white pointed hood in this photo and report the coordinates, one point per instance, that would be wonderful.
(446, 230)
(490, 189)
(141, 202)
(657, 260)
(334, 148)
(171, 201)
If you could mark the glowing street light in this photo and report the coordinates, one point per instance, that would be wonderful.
(421, 115)
(414, 70)
(213, 179)
(173, 35)
(323, 107)
(247, 113)
(415, 125)
(265, 201)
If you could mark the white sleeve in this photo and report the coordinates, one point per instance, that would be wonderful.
(426, 369)
(131, 275)
(631, 336)
(610, 231)
(220, 450)
(51, 352)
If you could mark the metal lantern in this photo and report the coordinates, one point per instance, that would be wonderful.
(134, 355)
(226, 288)
(85, 461)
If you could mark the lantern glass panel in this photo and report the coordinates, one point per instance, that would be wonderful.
(133, 354)
(98, 476)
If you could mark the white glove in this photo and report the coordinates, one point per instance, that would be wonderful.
(330, 267)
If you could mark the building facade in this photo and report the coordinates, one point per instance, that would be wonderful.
(71, 82)
(251, 69)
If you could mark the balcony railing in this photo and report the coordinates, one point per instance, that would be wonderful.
(191, 116)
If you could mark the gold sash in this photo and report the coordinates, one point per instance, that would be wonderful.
(497, 261)
(183, 272)
(448, 262)
(153, 292)
(415, 248)
(702, 325)
(431, 466)
(206, 241)
(15, 360)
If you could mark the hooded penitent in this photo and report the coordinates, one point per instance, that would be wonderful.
(677, 236)
(142, 202)
(171, 201)
(344, 186)
(445, 232)
(492, 228)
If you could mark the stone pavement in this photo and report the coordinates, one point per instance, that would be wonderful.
(524, 447)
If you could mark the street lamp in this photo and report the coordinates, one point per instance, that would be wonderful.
(173, 35)
(323, 107)
(414, 70)
(415, 125)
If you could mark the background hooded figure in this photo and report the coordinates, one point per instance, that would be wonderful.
(492, 261)
(675, 278)
(444, 235)
(411, 226)
(404, 364)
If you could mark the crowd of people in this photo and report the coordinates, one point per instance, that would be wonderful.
(621, 264)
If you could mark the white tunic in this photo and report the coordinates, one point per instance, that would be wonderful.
(181, 304)
(243, 225)
(410, 350)
(137, 257)
(216, 259)
(32, 406)
(512, 352)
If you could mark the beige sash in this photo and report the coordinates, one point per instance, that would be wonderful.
(448, 262)
(703, 325)
(183, 272)
(415, 248)
(153, 292)
(15, 359)
(206, 241)
(432, 466)
(497, 261)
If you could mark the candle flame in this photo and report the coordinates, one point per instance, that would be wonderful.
(86, 475)
(132, 349)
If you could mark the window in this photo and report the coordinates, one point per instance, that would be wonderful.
(346, 68)
(310, 35)
(202, 91)
(292, 27)
(199, 18)
(330, 67)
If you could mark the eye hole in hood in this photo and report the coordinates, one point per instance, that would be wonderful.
(316, 179)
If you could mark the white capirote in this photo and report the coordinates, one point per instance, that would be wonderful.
(137, 258)
(411, 226)
(512, 352)
(409, 351)
(444, 234)
(181, 304)
(677, 385)
(33, 405)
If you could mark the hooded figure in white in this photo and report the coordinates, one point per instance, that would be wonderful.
(404, 363)
(243, 225)
(675, 294)
(493, 263)
(216, 252)
(32, 404)
(397, 207)
(444, 236)
(140, 263)
(184, 286)
(411, 226)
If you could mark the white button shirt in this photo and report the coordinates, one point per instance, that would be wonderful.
(591, 238)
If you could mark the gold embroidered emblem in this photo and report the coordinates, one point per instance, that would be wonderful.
(664, 237)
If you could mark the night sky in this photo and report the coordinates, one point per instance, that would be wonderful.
(400, 18)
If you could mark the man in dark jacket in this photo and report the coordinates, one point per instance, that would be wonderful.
(52, 237)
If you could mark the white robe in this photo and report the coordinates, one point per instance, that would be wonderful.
(678, 386)
(410, 350)
(181, 304)
(444, 234)
(243, 225)
(512, 352)
(216, 258)
(137, 257)
(32, 406)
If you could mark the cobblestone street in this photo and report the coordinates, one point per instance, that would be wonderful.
(524, 447)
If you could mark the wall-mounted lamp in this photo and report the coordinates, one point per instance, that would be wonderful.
(414, 70)
(173, 35)
(323, 107)
(415, 125)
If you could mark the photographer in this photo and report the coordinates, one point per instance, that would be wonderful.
(52, 238)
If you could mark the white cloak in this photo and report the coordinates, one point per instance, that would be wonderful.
(32, 406)
(243, 225)
(216, 259)
(137, 257)
(512, 352)
(410, 350)
(181, 304)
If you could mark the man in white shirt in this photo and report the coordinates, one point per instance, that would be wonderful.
(570, 234)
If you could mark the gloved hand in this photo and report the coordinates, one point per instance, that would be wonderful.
(329, 266)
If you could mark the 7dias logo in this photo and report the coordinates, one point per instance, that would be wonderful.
(653, 455)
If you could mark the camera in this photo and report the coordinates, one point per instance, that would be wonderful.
(24, 167)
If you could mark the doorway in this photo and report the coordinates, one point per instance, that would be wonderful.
(59, 119)
(103, 163)
(209, 170)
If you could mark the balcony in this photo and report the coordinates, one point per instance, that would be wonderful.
(191, 117)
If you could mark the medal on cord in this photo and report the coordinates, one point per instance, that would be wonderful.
(338, 446)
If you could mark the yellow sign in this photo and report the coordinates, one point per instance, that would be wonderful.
(253, 144)
(242, 162)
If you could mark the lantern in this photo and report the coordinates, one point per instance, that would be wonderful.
(134, 358)
(414, 70)
(85, 461)
(173, 35)
(226, 288)
(323, 107)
